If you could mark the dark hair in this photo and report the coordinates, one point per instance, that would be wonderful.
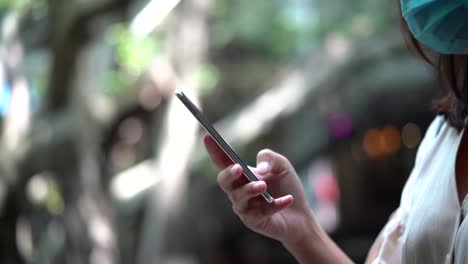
(452, 70)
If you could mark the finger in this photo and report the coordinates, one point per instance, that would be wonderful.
(261, 174)
(270, 161)
(217, 155)
(241, 196)
(277, 205)
(278, 202)
(259, 209)
(230, 178)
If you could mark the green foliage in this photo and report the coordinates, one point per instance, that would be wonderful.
(114, 82)
(54, 200)
(20, 5)
(13, 4)
(290, 28)
(207, 75)
(262, 25)
(361, 17)
(133, 54)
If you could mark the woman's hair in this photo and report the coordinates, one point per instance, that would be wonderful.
(452, 70)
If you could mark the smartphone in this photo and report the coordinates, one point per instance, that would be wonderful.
(220, 141)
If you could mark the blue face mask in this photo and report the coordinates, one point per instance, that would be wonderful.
(442, 25)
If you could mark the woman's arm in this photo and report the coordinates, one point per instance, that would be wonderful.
(316, 246)
(289, 218)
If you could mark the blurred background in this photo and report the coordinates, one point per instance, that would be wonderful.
(100, 165)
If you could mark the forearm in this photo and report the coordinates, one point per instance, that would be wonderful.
(316, 247)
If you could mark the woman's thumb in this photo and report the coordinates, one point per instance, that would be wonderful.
(270, 161)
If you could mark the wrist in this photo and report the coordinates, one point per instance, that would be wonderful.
(308, 232)
(313, 243)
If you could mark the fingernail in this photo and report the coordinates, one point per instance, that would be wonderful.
(283, 200)
(263, 167)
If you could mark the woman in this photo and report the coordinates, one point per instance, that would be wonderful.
(428, 226)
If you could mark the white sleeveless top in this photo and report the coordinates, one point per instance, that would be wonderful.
(429, 226)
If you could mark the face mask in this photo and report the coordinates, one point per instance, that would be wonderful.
(442, 25)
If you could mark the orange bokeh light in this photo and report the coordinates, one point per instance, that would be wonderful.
(383, 142)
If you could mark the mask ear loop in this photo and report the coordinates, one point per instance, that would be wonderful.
(456, 71)
(448, 77)
(464, 87)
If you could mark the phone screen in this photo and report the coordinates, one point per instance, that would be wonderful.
(220, 141)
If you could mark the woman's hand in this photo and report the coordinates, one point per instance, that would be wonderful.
(288, 217)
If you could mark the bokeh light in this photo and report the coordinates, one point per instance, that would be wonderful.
(340, 125)
(383, 142)
(149, 97)
(411, 135)
(131, 130)
(37, 187)
(391, 139)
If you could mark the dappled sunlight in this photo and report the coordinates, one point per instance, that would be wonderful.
(18, 117)
(165, 201)
(43, 191)
(127, 184)
(37, 187)
(254, 119)
(151, 16)
(180, 136)
(101, 232)
(24, 238)
(102, 107)
(18, 110)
